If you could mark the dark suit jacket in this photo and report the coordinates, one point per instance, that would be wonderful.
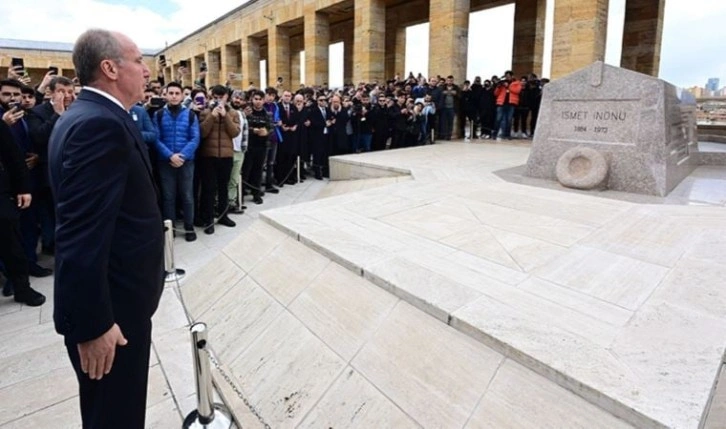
(13, 174)
(318, 134)
(40, 124)
(109, 234)
(289, 138)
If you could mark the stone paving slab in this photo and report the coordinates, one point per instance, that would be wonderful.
(588, 313)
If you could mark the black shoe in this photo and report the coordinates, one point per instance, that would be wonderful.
(38, 271)
(30, 297)
(290, 182)
(272, 190)
(8, 289)
(209, 230)
(224, 220)
(190, 236)
(257, 199)
(235, 210)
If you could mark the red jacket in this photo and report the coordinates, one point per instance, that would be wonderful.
(500, 92)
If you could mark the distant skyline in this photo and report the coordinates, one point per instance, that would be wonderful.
(692, 38)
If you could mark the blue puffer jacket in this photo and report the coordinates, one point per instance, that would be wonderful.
(176, 133)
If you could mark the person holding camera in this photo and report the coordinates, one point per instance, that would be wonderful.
(218, 128)
(506, 92)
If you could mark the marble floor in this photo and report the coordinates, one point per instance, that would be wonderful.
(432, 293)
(619, 300)
(37, 384)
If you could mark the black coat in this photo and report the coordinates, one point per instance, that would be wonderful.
(338, 132)
(41, 121)
(290, 139)
(13, 174)
(109, 257)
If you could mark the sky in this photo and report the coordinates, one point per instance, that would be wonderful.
(692, 38)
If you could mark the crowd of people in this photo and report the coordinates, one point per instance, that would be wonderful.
(213, 148)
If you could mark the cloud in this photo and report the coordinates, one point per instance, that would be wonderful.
(65, 20)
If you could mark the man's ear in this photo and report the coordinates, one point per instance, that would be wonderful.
(109, 69)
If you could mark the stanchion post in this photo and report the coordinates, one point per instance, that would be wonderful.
(172, 272)
(208, 415)
(297, 169)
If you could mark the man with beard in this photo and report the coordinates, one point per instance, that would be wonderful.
(379, 123)
(362, 125)
(16, 118)
(260, 127)
(240, 147)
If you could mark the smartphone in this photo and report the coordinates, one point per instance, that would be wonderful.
(199, 100)
(162, 59)
(203, 66)
(184, 63)
(18, 63)
(157, 102)
(14, 106)
(53, 70)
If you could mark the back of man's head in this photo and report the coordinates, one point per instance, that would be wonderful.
(92, 47)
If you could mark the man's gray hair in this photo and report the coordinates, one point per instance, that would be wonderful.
(92, 47)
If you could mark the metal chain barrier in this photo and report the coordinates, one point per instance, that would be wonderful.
(234, 388)
(226, 209)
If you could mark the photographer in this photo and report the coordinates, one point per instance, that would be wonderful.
(218, 127)
(506, 92)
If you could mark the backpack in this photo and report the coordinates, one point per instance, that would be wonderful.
(160, 112)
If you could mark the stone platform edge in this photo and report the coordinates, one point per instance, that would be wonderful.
(348, 169)
(588, 393)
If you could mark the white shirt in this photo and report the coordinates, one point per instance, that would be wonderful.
(240, 141)
(107, 95)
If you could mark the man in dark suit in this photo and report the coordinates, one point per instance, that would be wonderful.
(109, 237)
(14, 197)
(287, 150)
(320, 136)
(40, 124)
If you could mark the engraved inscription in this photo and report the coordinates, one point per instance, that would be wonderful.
(606, 121)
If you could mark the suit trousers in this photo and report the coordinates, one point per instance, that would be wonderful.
(214, 174)
(12, 254)
(252, 168)
(118, 400)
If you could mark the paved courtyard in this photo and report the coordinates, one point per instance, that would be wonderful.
(431, 293)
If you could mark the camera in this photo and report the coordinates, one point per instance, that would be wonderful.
(213, 105)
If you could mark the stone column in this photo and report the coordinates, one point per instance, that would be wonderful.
(642, 36)
(448, 38)
(250, 62)
(395, 52)
(370, 32)
(348, 59)
(194, 65)
(580, 34)
(278, 54)
(213, 67)
(230, 59)
(317, 43)
(529, 31)
(295, 71)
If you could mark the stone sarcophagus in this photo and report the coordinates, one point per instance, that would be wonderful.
(608, 127)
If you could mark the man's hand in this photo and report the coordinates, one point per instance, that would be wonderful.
(58, 105)
(12, 116)
(46, 81)
(176, 160)
(15, 72)
(32, 160)
(97, 355)
(221, 111)
(24, 201)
